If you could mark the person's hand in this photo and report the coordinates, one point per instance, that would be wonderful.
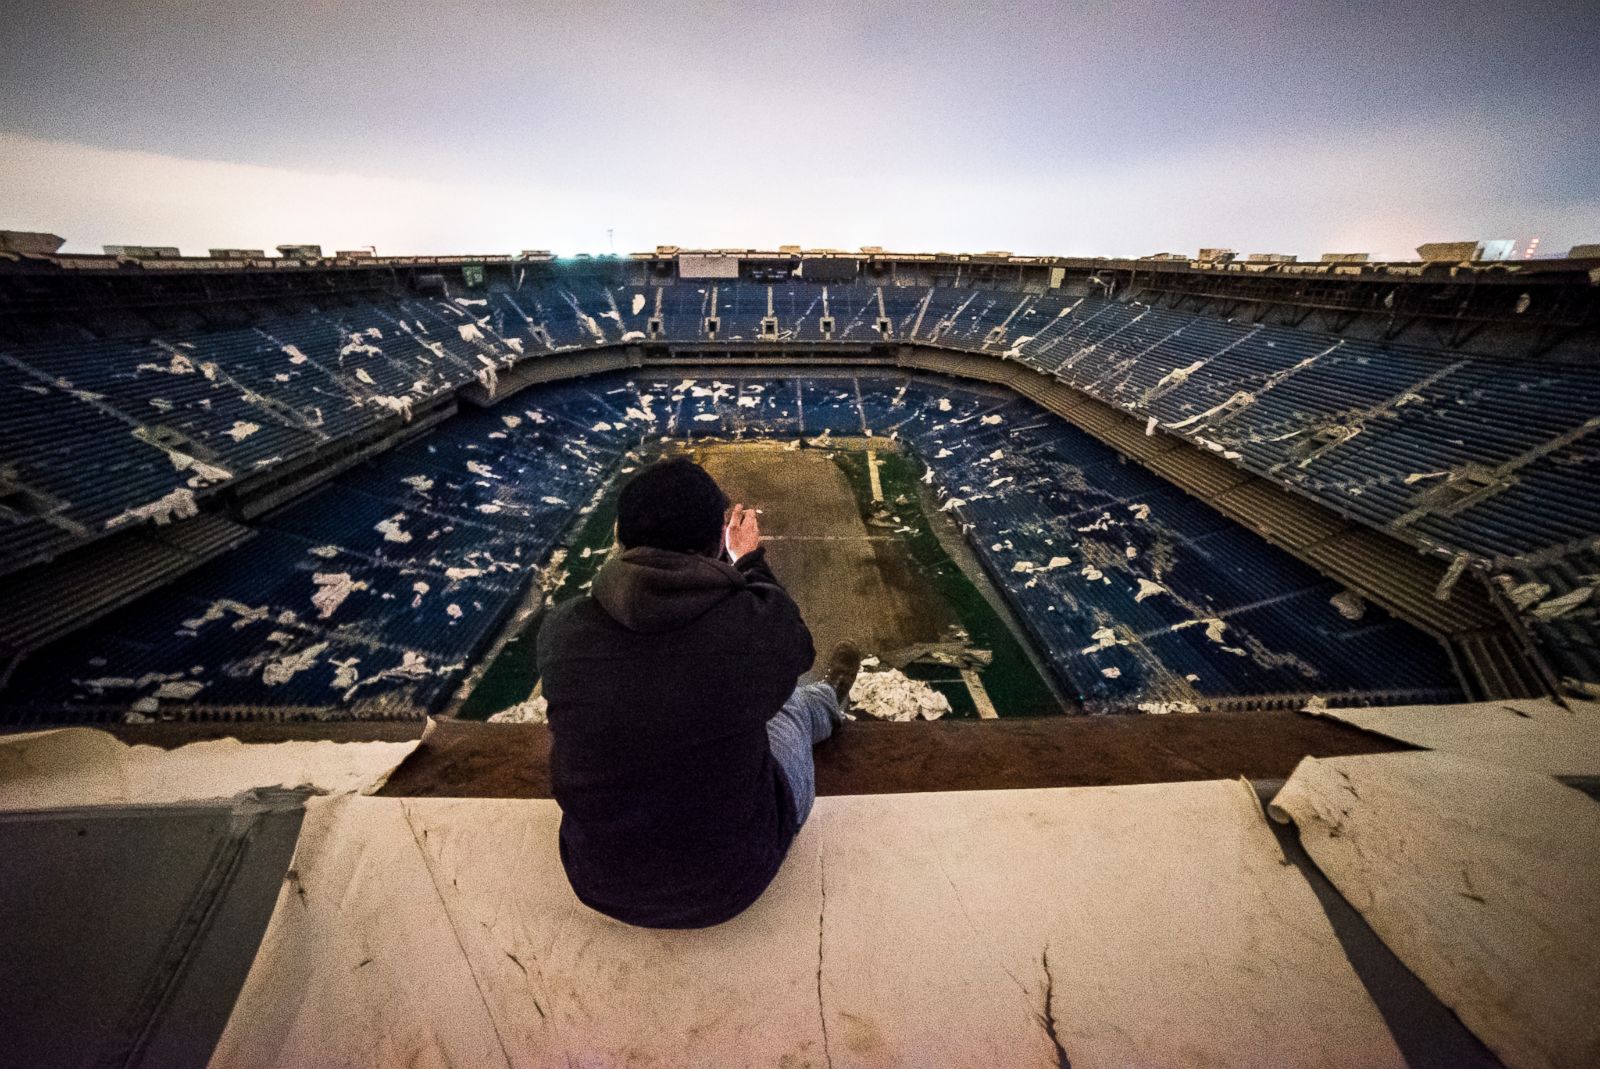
(743, 534)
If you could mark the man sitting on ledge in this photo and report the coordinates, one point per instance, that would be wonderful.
(682, 747)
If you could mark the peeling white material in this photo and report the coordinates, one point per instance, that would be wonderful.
(1484, 881)
(535, 710)
(241, 430)
(325, 552)
(332, 589)
(1349, 604)
(179, 365)
(469, 332)
(1111, 673)
(548, 500)
(890, 695)
(477, 467)
(285, 668)
(400, 406)
(88, 767)
(420, 483)
(1526, 594)
(1104, 639)
(707, 417)
(944, 404)
(990, 421)
(638, 303)
(295, 355)
(176, 505)
(1178, 376)
(1148, 589)
(1533, 734)
(453, 611)
(1140, 511)
(361, 373)
(511, 422)
(391, 529)
(1164, 708)
(1557, 607)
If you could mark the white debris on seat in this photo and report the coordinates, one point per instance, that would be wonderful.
(177, 505)
(332, 589)
(891, 695)
(1147, 589)
(420, 483)
(400, 406)
(241, 430)
(285, 668)
(390, 529)
(1549, 610)
(533, 711)
(1349, 604)
(1164, 708)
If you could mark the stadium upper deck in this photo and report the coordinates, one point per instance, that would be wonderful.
(140, 396)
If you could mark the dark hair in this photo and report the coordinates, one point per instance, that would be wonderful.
(673, 504)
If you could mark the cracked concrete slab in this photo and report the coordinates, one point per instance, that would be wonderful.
(1155, 924)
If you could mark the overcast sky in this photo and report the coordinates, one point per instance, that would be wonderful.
(939, 125)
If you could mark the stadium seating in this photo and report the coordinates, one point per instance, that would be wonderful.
(1492, 461)
(374, 594)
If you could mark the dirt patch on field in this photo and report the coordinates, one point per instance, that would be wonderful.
(850, 581)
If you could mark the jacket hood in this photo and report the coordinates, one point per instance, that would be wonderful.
(652, 590)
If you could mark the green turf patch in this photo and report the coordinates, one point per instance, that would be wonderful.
(1013, 683)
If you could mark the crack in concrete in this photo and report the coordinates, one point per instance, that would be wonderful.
(1048, 1017)
(822, 909)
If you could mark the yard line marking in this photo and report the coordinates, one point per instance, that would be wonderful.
(980, 695)
(872, 474)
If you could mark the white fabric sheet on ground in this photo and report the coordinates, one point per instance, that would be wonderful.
(1534, 734)
(1484, 880)
(1130, 925)
(84, 766)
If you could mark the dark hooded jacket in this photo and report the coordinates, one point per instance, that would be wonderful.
(660, 684)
